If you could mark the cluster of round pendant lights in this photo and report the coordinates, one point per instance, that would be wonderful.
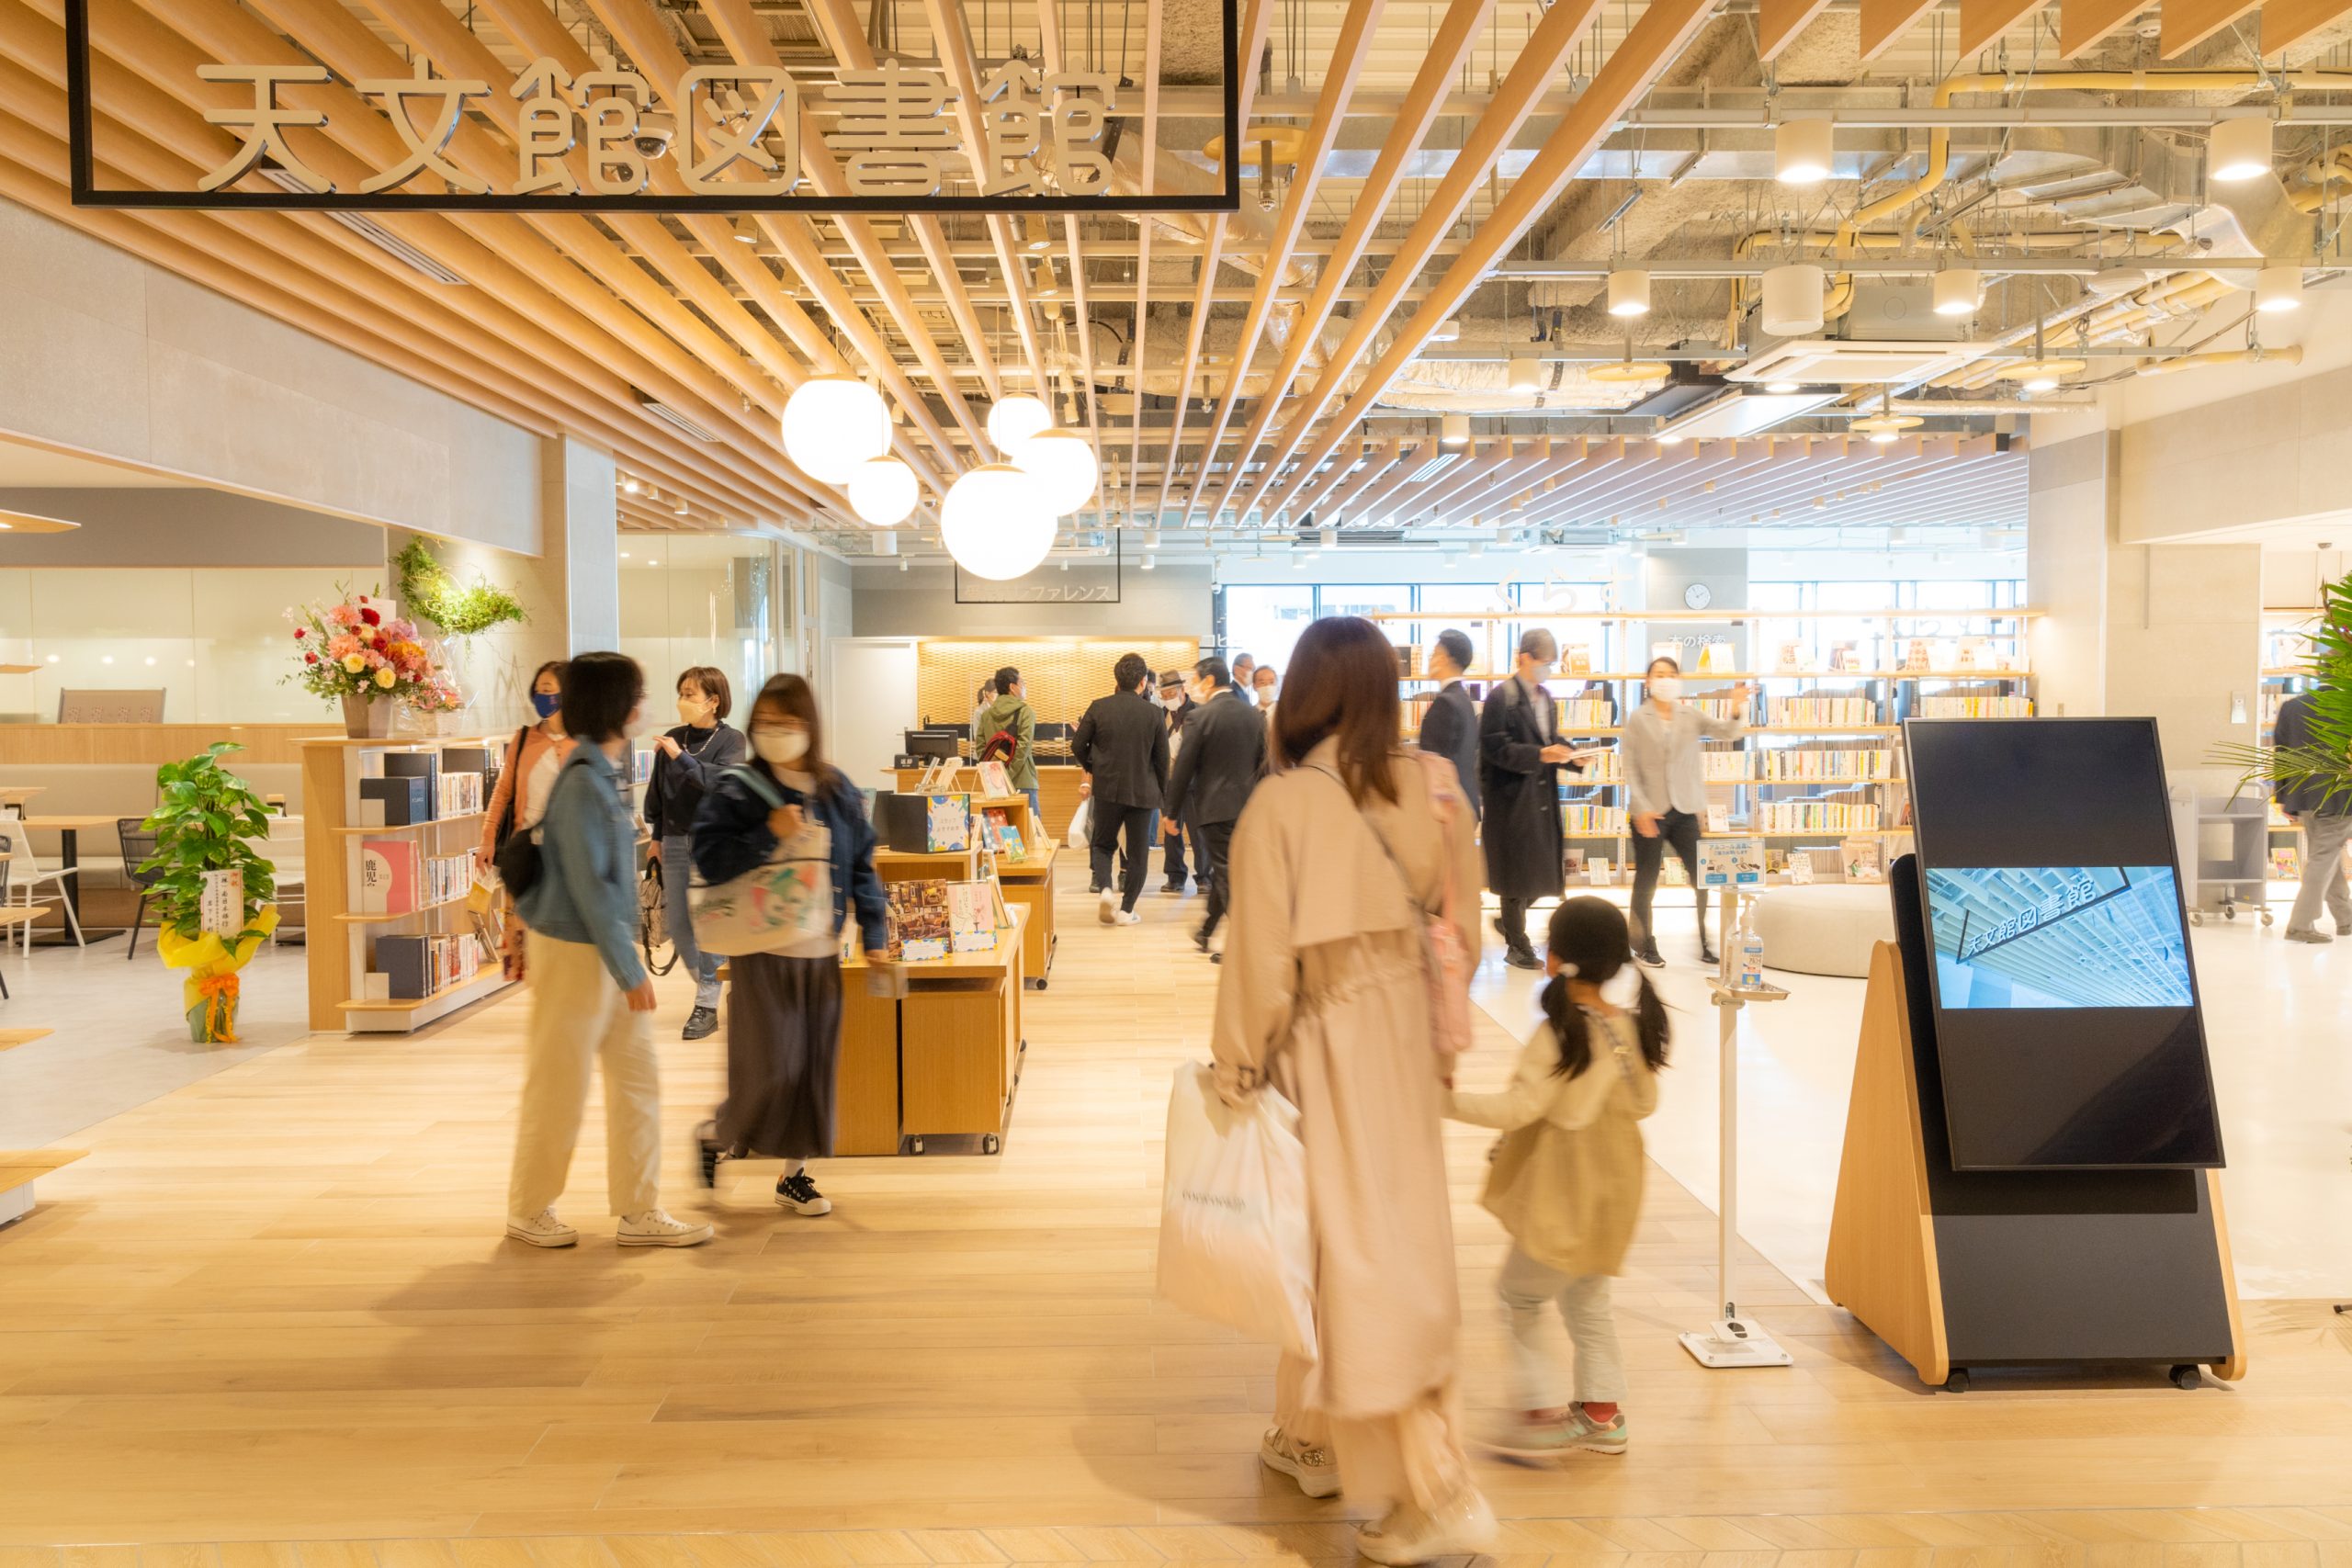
(998, 520)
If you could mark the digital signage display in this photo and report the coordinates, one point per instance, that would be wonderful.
(2067, 1028)
(2078, 936)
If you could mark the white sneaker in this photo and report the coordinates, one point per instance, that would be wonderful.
(1127, 918)
(1461, 1528)
(543, 1229)
(1106, 908)
(654, 1227)
(1317, 1473)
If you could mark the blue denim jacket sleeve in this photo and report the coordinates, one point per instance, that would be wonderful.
(853, 864)
(731, 833)
(587, 842)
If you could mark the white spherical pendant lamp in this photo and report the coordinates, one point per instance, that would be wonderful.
(883, 492)
(995, 524)
(1792, 298)
(1013, 420)
(1062, 462)
(831, 423)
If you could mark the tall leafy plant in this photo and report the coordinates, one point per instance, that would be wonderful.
(208, 820)
(2325, 763)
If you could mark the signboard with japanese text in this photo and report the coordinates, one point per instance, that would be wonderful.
(564, 130)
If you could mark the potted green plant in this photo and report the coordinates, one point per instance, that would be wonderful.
(2327, 762)
(205, 827)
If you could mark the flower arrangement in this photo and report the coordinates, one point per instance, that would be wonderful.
(356, 650)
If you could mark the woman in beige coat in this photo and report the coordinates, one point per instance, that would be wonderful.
(1325, 993)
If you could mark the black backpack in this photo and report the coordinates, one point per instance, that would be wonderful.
(518, 858)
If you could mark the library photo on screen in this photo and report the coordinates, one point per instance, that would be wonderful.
(2085, 936)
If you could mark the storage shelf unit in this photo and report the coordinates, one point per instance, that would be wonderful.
(342, 936)
(1890, 693)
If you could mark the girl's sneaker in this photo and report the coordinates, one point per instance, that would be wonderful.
(1523, 1436)
(800, 1194)
(1592, 1435)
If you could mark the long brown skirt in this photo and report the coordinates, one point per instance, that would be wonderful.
(784, 1052)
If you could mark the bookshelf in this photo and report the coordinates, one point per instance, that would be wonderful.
(1763, 782)
(346, 927)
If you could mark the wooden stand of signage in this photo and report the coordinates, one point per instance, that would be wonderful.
(1881, 1263)
(1995, 1269)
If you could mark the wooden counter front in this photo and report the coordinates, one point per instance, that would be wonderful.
(941, 1060)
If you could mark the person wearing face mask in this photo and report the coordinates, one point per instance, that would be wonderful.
(1666, 793)
(592, 1002)
(685, 761)
(784, 1022)
(1520, 758)
(520, 795)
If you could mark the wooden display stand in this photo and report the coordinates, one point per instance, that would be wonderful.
(1029, 887)
(339, 934)
(2012, 1268)
(941, 1060)
(19, 1168)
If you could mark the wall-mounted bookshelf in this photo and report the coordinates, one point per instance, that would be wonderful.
(388, 898)
(1768, 783)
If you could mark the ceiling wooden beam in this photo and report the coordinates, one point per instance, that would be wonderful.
(1464, 20)
(2286, 23)
(1982, 21)
(1883, 21)
(2185, 24)
(2083, 23)
(1778, 22)
(1645, 50)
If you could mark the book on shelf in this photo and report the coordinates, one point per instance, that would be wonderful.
(995, 779)
(1790, 658)
(1718, 818)
(1003, 837)
(2286, 865)
(1862, 860)
(1815, 815)
(921, 927)
(1593, 821)
(1800, 867)
(1598, 872)
(971, 916)
(1578, 714)
(1717, 658)
(1845, 657)
(1800, 764)
(1572, 864)
(947, 823)
(1987, 706)
(1577, 658)
(458, 794)
(1796, 713)
(1727, 767)
(400, 802)
(417, 967)
(1917, 656)
(396, 876)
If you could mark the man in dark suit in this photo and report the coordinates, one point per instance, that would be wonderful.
(1520, 758)
(1176, 705)
(1218, 764)
(1122, 745)
(1450, 728)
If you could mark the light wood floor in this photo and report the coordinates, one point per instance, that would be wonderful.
(275, 1307)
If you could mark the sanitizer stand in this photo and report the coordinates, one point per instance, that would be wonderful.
(1732, 1340)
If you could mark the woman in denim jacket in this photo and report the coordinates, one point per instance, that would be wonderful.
(784, 1021)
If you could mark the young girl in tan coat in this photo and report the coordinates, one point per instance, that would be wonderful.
(1567, 1179)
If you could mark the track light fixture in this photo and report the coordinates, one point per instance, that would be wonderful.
(1802, 151)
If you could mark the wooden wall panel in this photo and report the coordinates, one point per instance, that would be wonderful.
(150, 744)
(1061, 675)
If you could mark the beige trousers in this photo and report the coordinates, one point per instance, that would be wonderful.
(578, 1016)
(1413, 1456)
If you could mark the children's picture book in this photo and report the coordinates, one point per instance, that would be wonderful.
(1003, 837)
(2286, 865)
(1917, 656)
(1599, 873)
(1788, 657)
(921, 927)
(1575, 660)
(1844, 656)
(947, 823)
(1801, 867)
(1862, 859)
(995, 780)
(971, 916)
(1572, 864)
(1718, 818)
(1715, 658)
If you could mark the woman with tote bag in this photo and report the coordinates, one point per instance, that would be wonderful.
(1339, 860)
(783, 1025)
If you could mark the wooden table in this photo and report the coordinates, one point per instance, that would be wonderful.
(1029, 885)
(13, 797)
(68, 848)
(12, 1038)
(913, 865)
(941, 1060)
(19, 1168)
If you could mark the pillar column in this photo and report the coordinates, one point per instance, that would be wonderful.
(579, 541)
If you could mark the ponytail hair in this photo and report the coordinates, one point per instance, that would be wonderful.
(1590, 939)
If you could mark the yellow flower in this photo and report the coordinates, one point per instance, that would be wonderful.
(385, 677)
(354, 663)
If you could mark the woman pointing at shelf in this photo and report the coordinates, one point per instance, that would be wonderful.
(1666, 790)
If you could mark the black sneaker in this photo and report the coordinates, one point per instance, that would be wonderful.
(800, 1194)
(1172, 887)
(701, 1024)
(1521, 958)
(708, 1154)
(1648, 954)
(1201, 939)
(1709, 957)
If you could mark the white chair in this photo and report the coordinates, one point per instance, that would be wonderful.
(27, 882)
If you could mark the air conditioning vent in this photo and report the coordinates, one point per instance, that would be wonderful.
(1836, 362)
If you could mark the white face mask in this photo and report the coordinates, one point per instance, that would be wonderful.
(780, 747)
(1666, 688)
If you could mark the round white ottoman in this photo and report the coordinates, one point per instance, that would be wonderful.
(1824, 928)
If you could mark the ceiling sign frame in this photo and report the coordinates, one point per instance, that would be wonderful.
(895, 125)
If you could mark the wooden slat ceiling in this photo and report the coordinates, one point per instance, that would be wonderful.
(574, 325)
